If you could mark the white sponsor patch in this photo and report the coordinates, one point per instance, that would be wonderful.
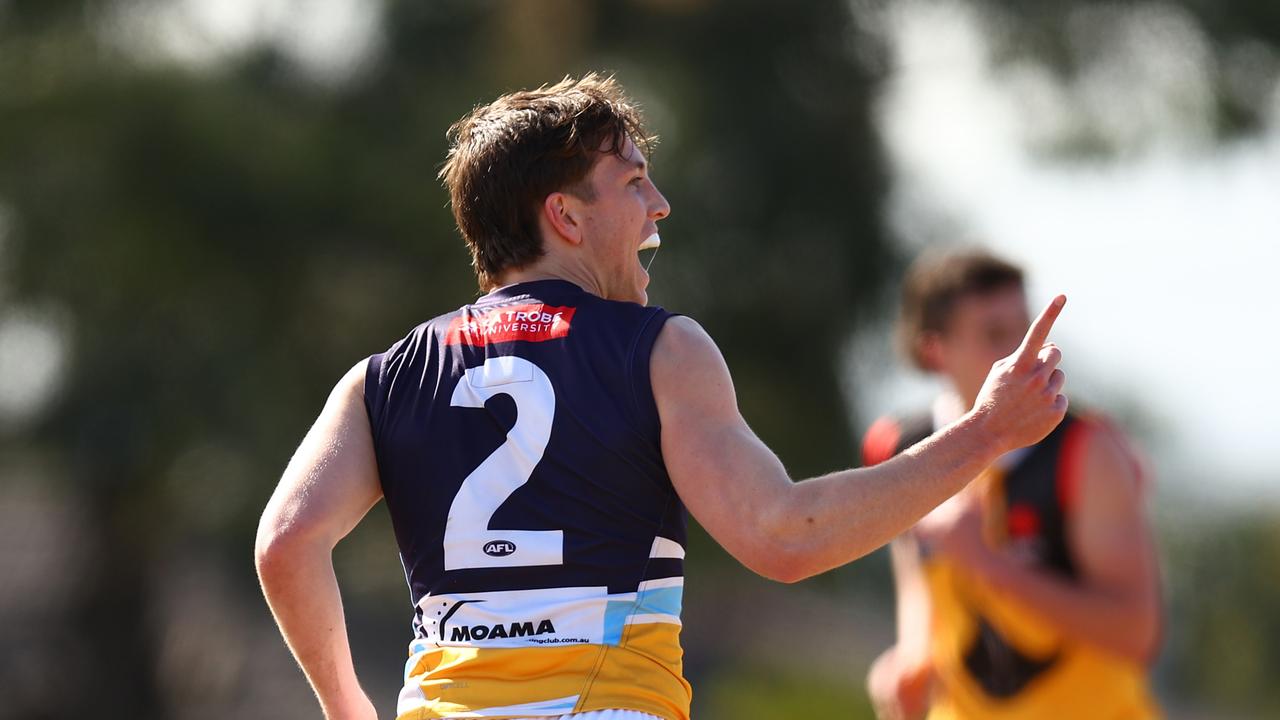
(518, 618)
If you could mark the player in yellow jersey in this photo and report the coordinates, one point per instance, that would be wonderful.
(1033, 593)
(536, 448)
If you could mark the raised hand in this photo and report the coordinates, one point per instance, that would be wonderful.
(1021, 400)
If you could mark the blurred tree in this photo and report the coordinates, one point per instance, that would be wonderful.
(1234, 47)
(1224, 633)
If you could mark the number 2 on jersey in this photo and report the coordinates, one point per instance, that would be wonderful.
(468, 541)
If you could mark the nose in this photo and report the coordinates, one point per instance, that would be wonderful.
(658, 205)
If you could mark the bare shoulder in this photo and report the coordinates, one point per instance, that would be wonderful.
(682, 338)
(344, 416)
(345, 412)
(688, 370)
(342, 426)
(1112, 465)
(1109, 487)
(351, 384)
(332, 479)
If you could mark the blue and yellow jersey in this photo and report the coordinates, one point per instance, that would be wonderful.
(518, 447)
(993, 657)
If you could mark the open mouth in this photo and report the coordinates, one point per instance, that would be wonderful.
(648, 250)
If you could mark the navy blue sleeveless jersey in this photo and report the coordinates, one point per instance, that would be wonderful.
(518, 447)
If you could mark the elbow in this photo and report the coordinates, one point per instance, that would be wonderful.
(1147, 625)
(278, 547)
(780, 561)
(271, 549)
(789, 575)
(777, 551)
(1139, 637)
(777, 569)
(1141, 650)
(1146, 638)
(798, 546)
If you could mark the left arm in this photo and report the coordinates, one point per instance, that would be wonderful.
(1115, 602)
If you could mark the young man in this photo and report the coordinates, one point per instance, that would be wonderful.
(537, 448)
(1033, 593)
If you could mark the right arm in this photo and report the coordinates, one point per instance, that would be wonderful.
(739, 491)
(328, 486)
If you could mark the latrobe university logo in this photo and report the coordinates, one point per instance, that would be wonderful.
(530, 322)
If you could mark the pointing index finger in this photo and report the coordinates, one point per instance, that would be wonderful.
(1039, 331)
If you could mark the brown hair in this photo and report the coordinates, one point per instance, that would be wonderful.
(933, 284)
(507, 156)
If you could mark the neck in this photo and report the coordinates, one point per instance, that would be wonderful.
(965, 395)
(948, 407)
(550, 268)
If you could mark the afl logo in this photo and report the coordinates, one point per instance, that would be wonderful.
(499, 548)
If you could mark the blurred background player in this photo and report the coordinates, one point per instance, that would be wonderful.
(1033, 593)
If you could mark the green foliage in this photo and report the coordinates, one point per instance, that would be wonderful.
(1223, 631)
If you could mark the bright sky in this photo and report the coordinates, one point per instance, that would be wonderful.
(1168, 257)
(331, 39)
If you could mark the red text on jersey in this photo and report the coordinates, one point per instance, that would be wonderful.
(530, 323)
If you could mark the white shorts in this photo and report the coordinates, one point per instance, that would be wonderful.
(603, 715)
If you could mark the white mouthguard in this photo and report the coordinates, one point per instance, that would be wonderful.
(651, 242)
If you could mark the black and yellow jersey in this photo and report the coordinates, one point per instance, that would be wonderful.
(993, 657)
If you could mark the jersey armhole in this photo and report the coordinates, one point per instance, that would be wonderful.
(376, 392)
(643, 405)
(1071, 458)
(372, 392)
(1071, 464)
(881, 441)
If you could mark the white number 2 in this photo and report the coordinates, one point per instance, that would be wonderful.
(468, 541)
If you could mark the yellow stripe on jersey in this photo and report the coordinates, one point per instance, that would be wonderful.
(643, 673)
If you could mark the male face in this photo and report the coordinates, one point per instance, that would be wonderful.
(624, 211)
(982, 328)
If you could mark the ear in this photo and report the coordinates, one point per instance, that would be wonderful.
(562, 213)
(929, 351)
